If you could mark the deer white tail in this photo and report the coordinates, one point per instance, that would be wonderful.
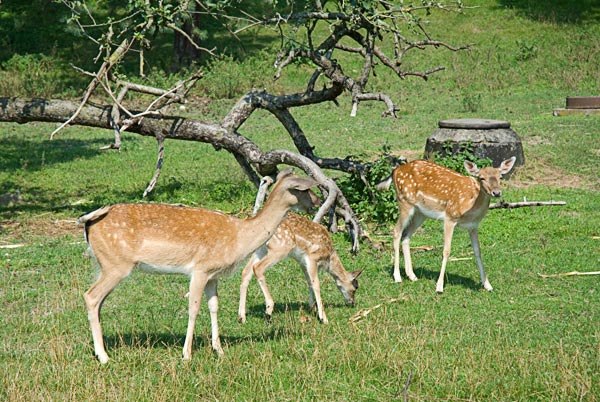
(385, 184)
(92, 216)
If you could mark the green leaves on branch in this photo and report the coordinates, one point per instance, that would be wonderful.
(454, 158)
(368, 202)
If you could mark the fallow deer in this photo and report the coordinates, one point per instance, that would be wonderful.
(308, 243)
(201, 243)
(427, 190)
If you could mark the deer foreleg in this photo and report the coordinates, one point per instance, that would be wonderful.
(473, 233)
(448, 232)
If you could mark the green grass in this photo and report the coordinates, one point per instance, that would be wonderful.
(530, 339)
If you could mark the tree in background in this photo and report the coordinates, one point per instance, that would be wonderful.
(378, 33)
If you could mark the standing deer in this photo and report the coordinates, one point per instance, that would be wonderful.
(201, 243)
(426, 190)
(308, 243)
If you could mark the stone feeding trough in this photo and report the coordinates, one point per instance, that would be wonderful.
(586, 105)
(493, 139)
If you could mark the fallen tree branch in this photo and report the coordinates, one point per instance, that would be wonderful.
(572, 273)
(175, 127)
(504, 204)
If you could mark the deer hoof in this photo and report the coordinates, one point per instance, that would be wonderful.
(103, 359)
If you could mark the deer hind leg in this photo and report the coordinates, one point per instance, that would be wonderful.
(94, 298)
(405, 215)
(448, 232)
(314, 287)
(415, 222)
(272, 257)
(473, 233)
(247, 274)
(197, 284)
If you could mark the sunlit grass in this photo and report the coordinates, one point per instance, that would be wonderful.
(532, 338)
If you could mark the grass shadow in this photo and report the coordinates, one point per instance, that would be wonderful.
(450, 279)
(258, 310)
(166, 340)
(557, 11)
(21, 154)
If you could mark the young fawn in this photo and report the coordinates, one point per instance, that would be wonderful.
(200, 243)
(308, 243)
(426, 190)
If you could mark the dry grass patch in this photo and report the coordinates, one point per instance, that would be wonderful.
(541, 172)
(12, 231)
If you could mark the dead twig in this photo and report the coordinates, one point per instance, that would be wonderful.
(572, 273)
(362, 313)
(114, 58)
(406, 385)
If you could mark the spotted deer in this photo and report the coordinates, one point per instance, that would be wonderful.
(308, 243)
(427, 190)
(200, 243)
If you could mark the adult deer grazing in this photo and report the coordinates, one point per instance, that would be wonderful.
(308, 243)
(426, 190)
(201, 243)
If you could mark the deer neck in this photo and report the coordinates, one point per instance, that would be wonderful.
(482, 202)
(336, 268)
(258, 230)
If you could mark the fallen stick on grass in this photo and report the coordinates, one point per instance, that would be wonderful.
(504, 204)
(572, 273)
(11, 245)
(459, 258)
(366, 311)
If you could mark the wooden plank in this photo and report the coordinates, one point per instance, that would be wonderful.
(570, 112)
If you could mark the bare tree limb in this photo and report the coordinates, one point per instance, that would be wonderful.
(106, 66)
(173, 127)
(160, 138)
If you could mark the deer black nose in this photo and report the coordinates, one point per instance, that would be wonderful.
(496, 193)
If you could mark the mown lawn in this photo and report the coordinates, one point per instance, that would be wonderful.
(532, 338)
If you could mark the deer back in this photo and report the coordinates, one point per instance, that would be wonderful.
(165, 237)
(437, 191)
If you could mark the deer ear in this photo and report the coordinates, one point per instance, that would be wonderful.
(506, 165)
(301, 183)
(284, 173)
(471, 168)
(356, 274)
